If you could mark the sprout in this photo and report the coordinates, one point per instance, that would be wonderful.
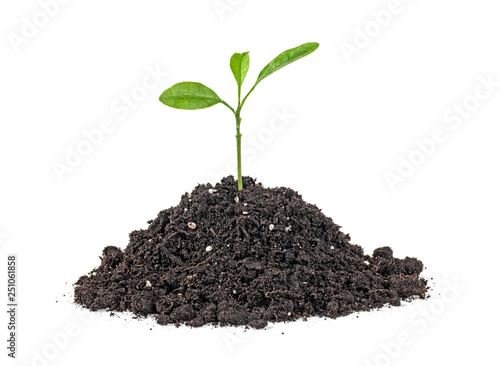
(191, 95)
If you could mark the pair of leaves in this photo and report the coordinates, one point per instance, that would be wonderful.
(191, 95)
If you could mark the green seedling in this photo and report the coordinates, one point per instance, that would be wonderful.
(191, 95)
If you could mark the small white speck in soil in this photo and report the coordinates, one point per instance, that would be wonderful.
(367, 263)
(191, 225)
(245, 213)
(288, 228)
(212, 190)
(234, 292)
(332, 247)
(271, 227)
(209, 248)
(236, 199)
(185, 209)
(245, 204)
(148, 284)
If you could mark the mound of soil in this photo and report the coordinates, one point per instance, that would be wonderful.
(249, 257)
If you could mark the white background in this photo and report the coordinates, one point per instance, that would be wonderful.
(354, 118)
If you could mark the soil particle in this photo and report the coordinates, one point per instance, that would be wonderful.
(245, 267)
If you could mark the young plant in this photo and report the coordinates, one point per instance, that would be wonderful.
(191, 95)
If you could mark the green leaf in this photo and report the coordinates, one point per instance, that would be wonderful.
(286, 58)
(189, 95)
(239, 63)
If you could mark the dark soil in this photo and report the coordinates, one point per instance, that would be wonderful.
(252, 257)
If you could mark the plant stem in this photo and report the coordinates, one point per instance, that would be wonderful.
(238, 148)
(227, 105)
(246, 96)
(238, 136)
